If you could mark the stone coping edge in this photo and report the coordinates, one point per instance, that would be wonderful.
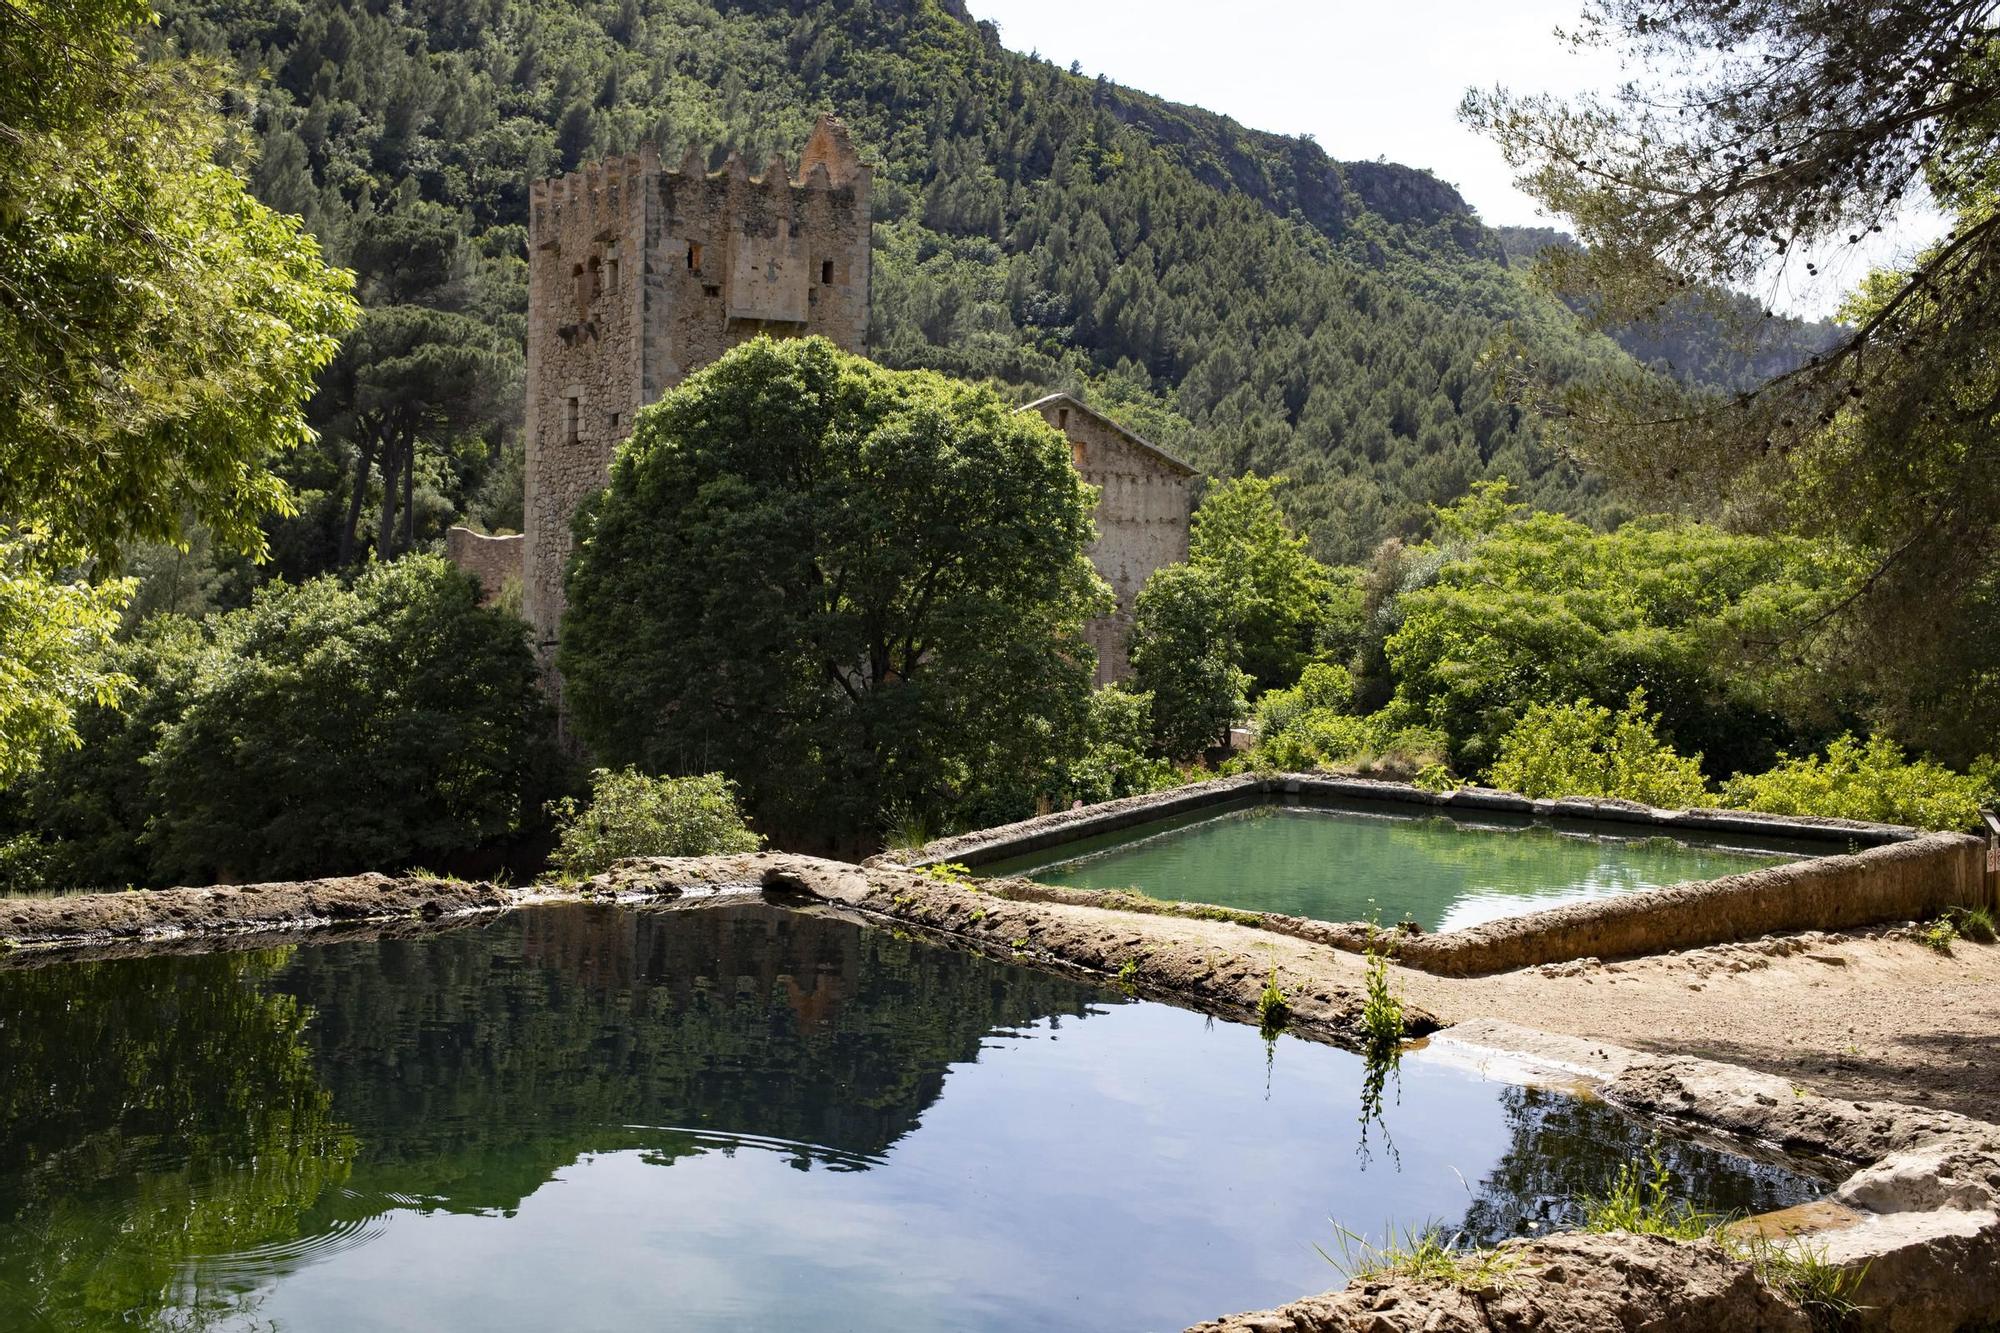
(1006, 841)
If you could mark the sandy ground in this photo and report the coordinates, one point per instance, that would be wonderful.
(1859, 1016)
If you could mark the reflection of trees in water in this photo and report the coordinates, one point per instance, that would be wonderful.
(1565, 1147)
(475, 1064)
(163, 1109)
(1535, 858)
(152, 1110)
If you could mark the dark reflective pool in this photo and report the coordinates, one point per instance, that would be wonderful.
(738, 1117)
(1345, 865)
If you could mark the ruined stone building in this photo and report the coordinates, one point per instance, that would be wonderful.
(640, 275)
(1145, 496)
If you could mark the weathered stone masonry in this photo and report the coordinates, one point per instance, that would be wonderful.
(638, 276)
(1142, 514)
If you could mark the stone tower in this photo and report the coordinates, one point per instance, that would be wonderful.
(638, 276)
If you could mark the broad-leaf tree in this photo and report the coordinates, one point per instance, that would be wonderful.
(159, 331)
(857, 592)
(1278, 595)
(1184, 653)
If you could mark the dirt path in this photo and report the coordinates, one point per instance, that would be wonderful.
(1860, 1016)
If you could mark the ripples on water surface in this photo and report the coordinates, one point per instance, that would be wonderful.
(588, 1118)
(1338, 865)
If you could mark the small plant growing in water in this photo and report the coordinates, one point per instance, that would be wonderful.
(1272, 1008)
(1382, 1011)
(1128, 972)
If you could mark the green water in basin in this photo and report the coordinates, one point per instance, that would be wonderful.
(1346, 865)
(586, 1118)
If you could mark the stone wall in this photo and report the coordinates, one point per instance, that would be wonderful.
(1145, 497)
(492, 560)
(638, 276)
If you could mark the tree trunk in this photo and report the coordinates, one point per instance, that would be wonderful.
(364, 459)
(410, 496)
(385, 527)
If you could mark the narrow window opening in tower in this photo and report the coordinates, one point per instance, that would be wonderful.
(593, 280)
(611, 273)
(577, 293)
(572, 415)
(694, 256)
(826, 272)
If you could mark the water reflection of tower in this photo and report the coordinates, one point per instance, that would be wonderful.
(719, 952)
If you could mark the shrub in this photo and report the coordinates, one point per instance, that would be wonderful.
(631, 814)
(1115, 761)
(1309, 727)
(1584, 749)
(324, 728)
(1871, 781)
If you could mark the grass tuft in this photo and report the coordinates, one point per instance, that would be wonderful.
(1641, 1199)
(1425, 1254)
(1824, 1289)
(1973, 923)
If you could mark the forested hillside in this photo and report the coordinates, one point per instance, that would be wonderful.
(1712, 337)
(1238, 296)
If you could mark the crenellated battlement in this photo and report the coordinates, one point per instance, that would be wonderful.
(639, 274)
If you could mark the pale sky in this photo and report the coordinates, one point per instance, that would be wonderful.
(1370, 78)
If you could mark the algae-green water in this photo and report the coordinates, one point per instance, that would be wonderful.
(587, 1118)
(1345, 865)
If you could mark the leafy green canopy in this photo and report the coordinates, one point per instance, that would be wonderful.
(1768, 133)
(630, 814)
(1871, 780)
(1184, 653)
(56, 635)
(1507, 610)
(161, 328)
(855, 591)
(322, 729)
(1278, 595)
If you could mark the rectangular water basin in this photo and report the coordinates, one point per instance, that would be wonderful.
(1356, 862)
(727, 1118)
